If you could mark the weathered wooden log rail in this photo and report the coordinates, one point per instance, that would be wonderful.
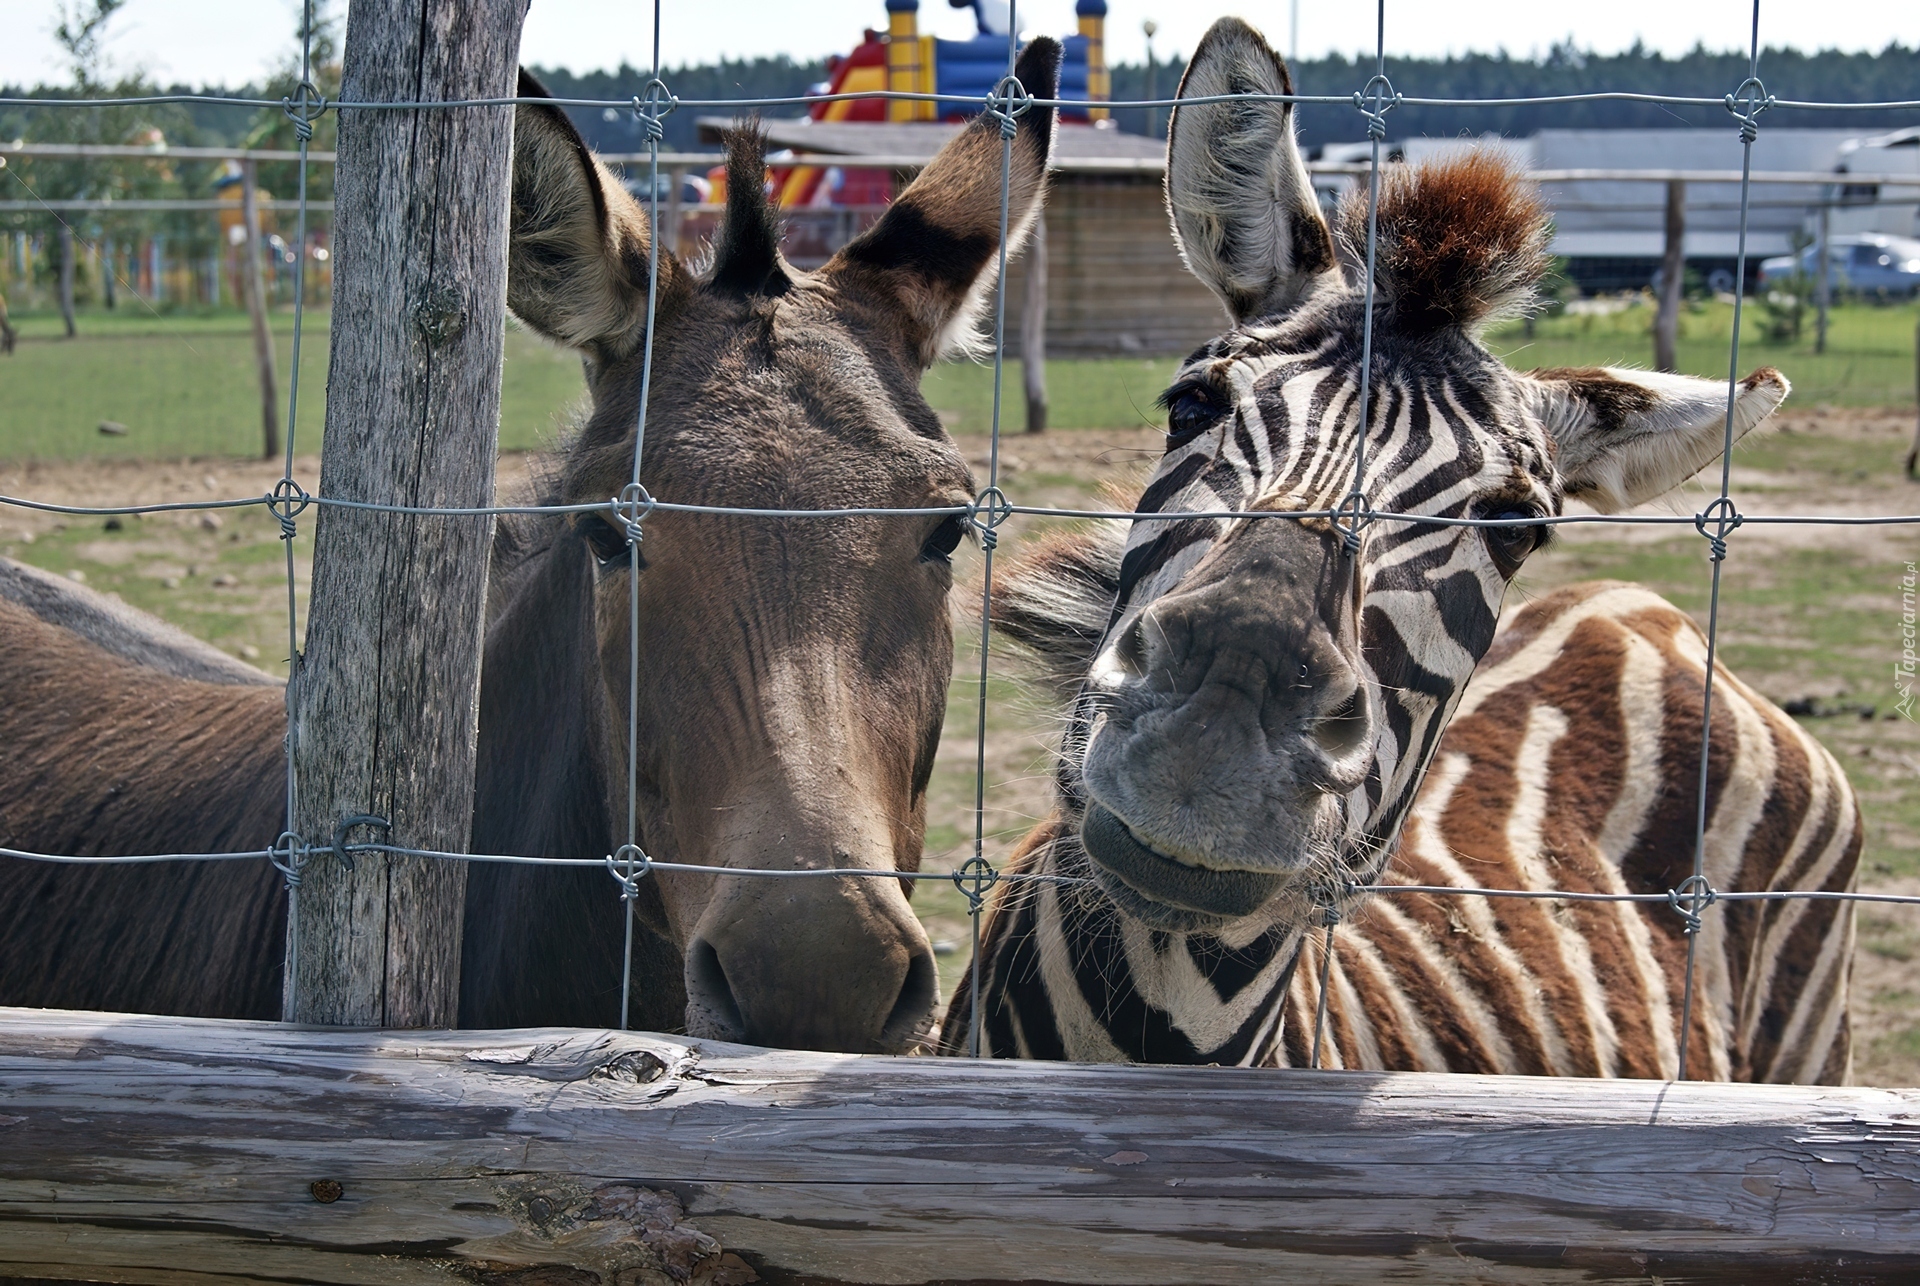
(173, 1150)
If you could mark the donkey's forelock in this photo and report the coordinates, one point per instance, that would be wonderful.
(746, 252)
(1461, 242)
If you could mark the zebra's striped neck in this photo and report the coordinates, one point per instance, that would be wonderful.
(1066, 976)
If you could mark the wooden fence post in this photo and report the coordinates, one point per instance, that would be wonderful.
(385, 700)
(1673, 271)
(256, 294)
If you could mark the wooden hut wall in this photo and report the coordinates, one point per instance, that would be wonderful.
(1115, 282)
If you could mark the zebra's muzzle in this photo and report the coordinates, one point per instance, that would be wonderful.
(1172, 890)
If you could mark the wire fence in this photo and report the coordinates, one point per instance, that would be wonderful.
(629, 863)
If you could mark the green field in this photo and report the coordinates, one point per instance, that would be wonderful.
(184, 385)
(1869, 359)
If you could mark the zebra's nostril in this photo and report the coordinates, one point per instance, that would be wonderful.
(1130, 650)
(1342, 729)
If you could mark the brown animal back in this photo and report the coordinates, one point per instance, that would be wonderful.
(99, 756)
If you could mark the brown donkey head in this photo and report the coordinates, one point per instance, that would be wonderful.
(792, 671)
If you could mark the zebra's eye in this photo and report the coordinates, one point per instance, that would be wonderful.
(608, 542)
(1192, 409)
(1511, 545)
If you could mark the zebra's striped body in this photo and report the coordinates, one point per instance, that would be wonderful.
(1569, 766)
(1259, 698)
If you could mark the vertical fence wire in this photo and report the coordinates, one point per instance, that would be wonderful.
(1009, 111)
(1357, 505)
(1697, 893)
(304, 107)
(652, 107)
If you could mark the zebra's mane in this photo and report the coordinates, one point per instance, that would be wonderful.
(1460, 242)
(1054, 602)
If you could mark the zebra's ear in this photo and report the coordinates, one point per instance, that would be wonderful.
(1243, 209)
(1623, 436)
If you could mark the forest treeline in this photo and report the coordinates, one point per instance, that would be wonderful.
(1829, 76)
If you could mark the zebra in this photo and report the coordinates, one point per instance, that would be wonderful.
(1257, 702)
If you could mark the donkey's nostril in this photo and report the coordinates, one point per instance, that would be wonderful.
(710, 995)
(1342, 729)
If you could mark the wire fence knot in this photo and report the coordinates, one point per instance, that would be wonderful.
(1374, 102)
(1327, 898)
(1350, 517)
(651, 107)
(288, 854)
(287, 501)
(631, 508)
(303, 107)
(1725, 519)
(981, 875)
(1008, 102)
(638, 865)
(1692, 897)
(1746, 103)
(340, 847)
(992, 503)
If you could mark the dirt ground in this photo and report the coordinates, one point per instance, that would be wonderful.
(1809, 614)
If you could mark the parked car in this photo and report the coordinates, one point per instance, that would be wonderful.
(1870, 262)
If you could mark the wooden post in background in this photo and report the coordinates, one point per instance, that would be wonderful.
(1033, 327)
(1673, 272)
(1823, 272)
(385, 700)
(256, 295)
(1913, 453)
(671, 233)
(66, 276)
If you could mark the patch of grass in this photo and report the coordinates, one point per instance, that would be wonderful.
(184, 385)
(1869, 359)
(1096, 393)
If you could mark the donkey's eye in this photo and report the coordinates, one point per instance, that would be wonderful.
(608, 542)
(944, 540)
(1511, 545)
(1192, 409)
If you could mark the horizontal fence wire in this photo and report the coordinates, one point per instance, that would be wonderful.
(988, 510)
(619, 507)
(958, 100)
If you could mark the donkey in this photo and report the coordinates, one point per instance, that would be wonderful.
(1258, 700)
(792, 677)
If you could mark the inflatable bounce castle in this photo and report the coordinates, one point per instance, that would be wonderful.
(904, 61)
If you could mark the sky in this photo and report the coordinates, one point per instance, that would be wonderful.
(204, 42)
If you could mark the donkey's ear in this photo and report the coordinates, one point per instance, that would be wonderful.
(1623, 437)
(1243, 209)
(577, 246)
(932, 253)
